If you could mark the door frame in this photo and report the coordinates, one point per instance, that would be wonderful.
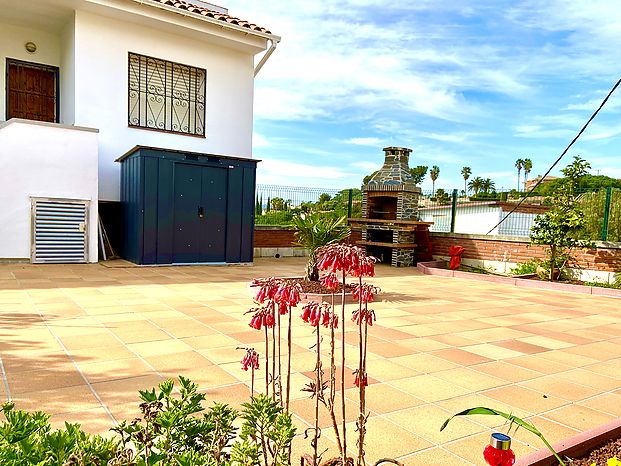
(39, 66)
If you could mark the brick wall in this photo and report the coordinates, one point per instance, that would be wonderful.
(279, 237)
(606, 257)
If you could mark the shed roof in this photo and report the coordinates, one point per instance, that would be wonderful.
(208, 13)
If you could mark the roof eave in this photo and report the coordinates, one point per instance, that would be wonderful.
(215, 22)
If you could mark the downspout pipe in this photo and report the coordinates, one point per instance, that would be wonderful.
(268, 54)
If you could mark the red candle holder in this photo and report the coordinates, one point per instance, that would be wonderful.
(498, 452)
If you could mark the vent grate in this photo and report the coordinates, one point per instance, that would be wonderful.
(59, 231)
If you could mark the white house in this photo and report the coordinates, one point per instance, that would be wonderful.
(85, 81)
(480, 217)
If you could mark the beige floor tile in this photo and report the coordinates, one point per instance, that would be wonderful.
(505, 371)
(609, 403)
(579, 417)
(425, 363)
(382, 398)
(59, 400)
(115, 369)
(560, 388)
(528, 400)
(426, 421)
(461, 357)
(434, 457)
(429, 388)
(470, 379)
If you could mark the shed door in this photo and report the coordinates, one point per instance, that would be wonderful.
(199, 213)
(31, 91)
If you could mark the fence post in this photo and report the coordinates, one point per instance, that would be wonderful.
(453, 210)
(350, 203)
(606, 213)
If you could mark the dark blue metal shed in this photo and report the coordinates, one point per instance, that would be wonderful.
(184, 207)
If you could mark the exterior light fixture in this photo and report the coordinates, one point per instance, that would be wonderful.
(30, 47)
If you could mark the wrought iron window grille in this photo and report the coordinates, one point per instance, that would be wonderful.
(166, 96)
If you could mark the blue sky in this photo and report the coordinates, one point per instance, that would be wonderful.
(477, 83)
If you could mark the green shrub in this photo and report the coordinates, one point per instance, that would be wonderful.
(170, 433)
(525, 268)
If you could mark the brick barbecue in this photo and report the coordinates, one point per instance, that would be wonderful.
(390, 211)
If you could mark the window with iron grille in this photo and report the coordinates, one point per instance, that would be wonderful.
(166, 96)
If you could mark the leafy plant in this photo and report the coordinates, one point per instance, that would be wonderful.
(313, 231)
(525, 268)
(28, 439)
(267, 432)
(513, 420)
(560, 227)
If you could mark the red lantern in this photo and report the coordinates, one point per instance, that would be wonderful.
(498, 452)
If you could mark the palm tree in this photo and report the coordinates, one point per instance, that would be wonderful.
(519, 164)
(433, 174)
(487, 185)
(528, 166)
(466, 172)
(313, 231)
(475, 185)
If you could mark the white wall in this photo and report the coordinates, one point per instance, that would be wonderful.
(43, 160)
(67, 74)
(101, 48)
(474, 219)
(12, 41)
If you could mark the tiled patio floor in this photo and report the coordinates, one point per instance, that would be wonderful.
(79, 341)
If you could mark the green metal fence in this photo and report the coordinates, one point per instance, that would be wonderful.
(449, 210)
(276, 205)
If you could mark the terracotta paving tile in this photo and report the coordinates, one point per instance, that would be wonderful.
(610, 368)
(526, 399)
(579, 417)
(384, 398)
(179, 362)
(34, 381)
(59, 400)
(389, 350)
(114, 370)
(441, 345)
(470, 379)
(305, 409)
(426, 421)
(537, 364)
(460, 356)
(425, 363)
(94, 420)
(553, 431)
(609, 403)
(560, 388)
(506, 371)
(434, 457)
(521, 347)
(429, 388)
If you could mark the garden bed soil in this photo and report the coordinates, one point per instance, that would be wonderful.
(601, 455)
(315, 291)
(595, 446)
(317, 288)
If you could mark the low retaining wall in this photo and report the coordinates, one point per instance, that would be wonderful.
(273, 241)
(499, 252)
(605, 257)
(438, 268)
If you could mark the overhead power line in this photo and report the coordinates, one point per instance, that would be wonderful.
(586, 125)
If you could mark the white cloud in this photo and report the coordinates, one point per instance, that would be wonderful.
(282, 172)
(370, 141)
(258, 140)
(367, 166)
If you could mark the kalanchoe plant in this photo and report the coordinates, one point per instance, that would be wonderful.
(250, 360)
(349, 260)
(276, 297)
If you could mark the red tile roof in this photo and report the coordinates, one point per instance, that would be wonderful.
(203, 11)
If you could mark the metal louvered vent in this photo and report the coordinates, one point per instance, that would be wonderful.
(59, 230)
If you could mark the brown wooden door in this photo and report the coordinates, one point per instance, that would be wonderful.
(31, 91)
